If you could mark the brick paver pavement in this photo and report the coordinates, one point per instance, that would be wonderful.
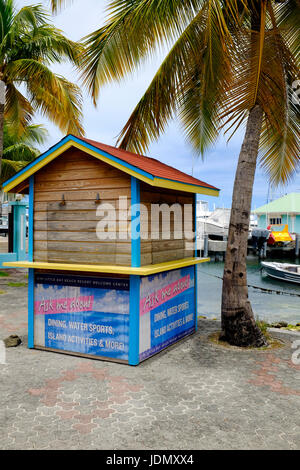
(196, 395)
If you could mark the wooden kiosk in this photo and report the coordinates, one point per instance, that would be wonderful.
(112, 262)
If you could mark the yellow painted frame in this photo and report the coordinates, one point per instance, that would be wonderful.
(103, 268)
(157, 182)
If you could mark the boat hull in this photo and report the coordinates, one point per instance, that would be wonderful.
(281, 274)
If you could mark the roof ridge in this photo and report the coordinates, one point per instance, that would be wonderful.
(152, 160)
(147, 169)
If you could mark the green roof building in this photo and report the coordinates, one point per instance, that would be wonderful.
(285, 210)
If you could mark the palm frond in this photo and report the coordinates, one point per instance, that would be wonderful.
(51, 94)
(46, 43)
(18, 110)
(9, 168)
(280, 136)
(62, 104)
(135, 29)
(281, 150)
(15, 25)
(190, 82)
(160, 101)
(20, 152)
(29, 45)
(31, 16)
(6, 18)
(35, 134)
(57, 5)
(288, 20)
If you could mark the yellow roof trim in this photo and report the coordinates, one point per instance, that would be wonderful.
(190, 188)
(105, 268)
(61, 150)
(157, 182)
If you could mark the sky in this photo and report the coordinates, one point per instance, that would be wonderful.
(117, 101)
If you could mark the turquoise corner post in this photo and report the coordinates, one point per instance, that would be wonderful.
(195, 266)
(134, 320)
(19, 224)
(31, 270)
(30, 218)
(134, 297)
(135, 223)
(30, 308)
(19, 234)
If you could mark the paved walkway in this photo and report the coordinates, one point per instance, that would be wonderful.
(196, 395)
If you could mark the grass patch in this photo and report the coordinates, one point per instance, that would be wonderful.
(2, 292)
(280, 325)
(273, 343)
(3, 274)
(263, 326)
(17, 284)
(292, 327)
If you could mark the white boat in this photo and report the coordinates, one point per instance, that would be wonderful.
(283, 271)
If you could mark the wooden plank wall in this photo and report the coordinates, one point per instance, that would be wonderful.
(160, 248)
(67, 233)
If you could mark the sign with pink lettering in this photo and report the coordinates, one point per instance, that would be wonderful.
(88, 315)
(167, 309)
(65, 304)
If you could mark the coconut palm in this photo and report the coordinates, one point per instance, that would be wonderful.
(230, 63)
(29, 45)
(19, 150)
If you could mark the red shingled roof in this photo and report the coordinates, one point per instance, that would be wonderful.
(150, 165)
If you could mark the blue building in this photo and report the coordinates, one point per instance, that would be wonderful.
(285, 210)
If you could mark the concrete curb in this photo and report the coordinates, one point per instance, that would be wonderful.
(284, 332)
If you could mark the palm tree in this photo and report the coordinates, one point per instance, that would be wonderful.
(28, 47)
(230, 63)
(20, 150)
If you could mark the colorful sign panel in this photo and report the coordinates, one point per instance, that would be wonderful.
(167, 309)
(86, 315)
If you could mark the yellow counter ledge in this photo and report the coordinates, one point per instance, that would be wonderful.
(104, 268)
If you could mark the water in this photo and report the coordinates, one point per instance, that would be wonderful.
(268, 307)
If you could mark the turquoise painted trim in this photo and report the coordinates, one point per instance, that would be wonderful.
(69, 138)
(135, 209)
(30, 218)
(37, 160)
(17, 203)
(7, 257)
(30, 308)
(134, 320)
(19, 246)
(19, 236)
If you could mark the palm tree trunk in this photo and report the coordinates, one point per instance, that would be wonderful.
(2, 102)
(238, 322)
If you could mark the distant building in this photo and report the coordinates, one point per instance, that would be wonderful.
(285, 210)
